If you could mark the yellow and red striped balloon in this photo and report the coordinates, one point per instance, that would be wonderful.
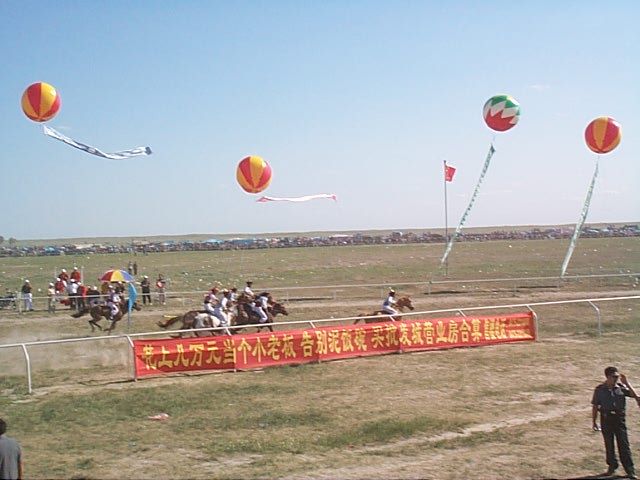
(603, 134)
(253, 174)
(40, 102)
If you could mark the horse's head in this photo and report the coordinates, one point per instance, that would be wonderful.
(136, 307)
(279, 308)
(404, 302)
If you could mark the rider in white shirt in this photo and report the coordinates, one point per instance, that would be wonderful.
(113, 301)
(248, 290)
(210, 301)
(264, 298)
(220, 309)
(256, 306)
(389, 304)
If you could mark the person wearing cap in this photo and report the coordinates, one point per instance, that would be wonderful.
(256, 306)
(220, 309)
(113, 301)
(210, 302)
(51, 298)
(60, 286)
(64, 276)
(145, 284)
(389, 303)
(233, 295)
(72, 292)
(81, 297)
(265, 300)
(247, 289)
(609, 399)
(27, 296)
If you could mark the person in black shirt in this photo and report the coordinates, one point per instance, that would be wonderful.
(609, 398)
(146, 290)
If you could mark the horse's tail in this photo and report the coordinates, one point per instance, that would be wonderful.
(169, 321)
(81, 313)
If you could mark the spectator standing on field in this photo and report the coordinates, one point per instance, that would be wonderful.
(27, 296)
(161, 289)
(135, 268)
(51, 298)
(145, 284)
(609, 399)
(10, 456)
(75, 275)
(64, 276)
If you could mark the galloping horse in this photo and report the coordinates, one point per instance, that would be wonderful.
(246, 315)
(401, 304)
(196, 319)
(98, 312)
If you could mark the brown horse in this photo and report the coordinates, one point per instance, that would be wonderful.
(246, 315)
(401, 304)
(98, 312)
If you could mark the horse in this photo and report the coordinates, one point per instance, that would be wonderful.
(98, 312)
(401, 304)
(194, 319)
(246, 315)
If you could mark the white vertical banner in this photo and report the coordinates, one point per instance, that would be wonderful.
(466, 212)
(581, 220)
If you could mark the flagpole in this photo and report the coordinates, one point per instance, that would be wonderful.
(446, 222)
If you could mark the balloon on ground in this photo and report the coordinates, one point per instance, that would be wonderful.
(253, 174)
(603, 134)
(40, 102)
(501, 112)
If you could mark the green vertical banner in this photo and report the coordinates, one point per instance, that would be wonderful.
(581, 220)
(466, 212)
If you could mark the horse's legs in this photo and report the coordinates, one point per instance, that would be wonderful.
(94, 324)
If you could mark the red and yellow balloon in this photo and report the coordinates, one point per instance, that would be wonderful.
(253, 174)
(40, 102)
(603, 134)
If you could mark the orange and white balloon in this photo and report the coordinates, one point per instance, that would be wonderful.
(253, 174)
(603, 134)
(40, 102)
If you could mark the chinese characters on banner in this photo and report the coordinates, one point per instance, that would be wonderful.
(258, 350)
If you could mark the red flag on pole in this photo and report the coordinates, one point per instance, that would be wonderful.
(449, 172)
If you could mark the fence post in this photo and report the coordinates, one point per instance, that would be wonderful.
(28, 362)
(132, 358)
(599, 317)
(535, 321)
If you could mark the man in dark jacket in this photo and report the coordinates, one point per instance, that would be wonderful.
(609, 398)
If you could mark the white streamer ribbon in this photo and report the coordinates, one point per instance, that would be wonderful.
(134, 152)
(466, 212)
(579, 225)
(305, 198)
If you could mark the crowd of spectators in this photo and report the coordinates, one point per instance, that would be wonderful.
(145, 247)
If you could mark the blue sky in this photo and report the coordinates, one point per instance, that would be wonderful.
(364, 99)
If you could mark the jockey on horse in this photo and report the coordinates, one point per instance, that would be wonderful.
(391, 307)
(113, 302)
(389, 304)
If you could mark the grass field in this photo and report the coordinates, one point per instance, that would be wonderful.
(513, 411)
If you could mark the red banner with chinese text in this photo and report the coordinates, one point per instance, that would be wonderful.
(258, 350)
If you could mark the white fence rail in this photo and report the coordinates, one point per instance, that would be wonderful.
(461, 310)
